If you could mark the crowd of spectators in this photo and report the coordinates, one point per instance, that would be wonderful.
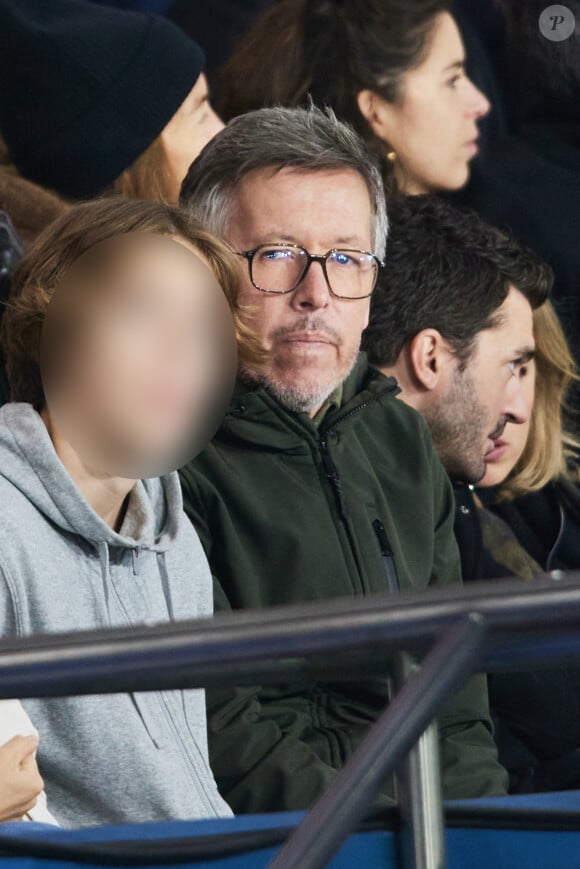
(320, 341)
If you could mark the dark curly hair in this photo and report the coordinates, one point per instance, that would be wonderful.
(446, 269)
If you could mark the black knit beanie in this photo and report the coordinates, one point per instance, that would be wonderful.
(85, 89)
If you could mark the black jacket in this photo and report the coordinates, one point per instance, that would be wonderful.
(476, 561)
(546, 523)
(536, 713)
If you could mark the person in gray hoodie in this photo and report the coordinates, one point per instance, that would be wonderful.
(85, 549)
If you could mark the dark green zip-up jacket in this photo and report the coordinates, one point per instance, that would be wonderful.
(288, 512)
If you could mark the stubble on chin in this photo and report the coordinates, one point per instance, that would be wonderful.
(457, 423)
(295, 389)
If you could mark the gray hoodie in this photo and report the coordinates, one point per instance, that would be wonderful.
(110, 758)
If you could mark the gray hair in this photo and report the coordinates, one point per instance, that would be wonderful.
(310, 138)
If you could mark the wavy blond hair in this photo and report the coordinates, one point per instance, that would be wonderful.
(549, 448)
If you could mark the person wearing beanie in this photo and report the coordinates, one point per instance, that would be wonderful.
(95, 99)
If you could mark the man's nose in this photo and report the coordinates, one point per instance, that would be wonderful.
(313, 291)
(517, 405)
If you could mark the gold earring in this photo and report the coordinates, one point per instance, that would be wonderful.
(391, 156)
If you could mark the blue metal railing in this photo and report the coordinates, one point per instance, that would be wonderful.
(485, 626)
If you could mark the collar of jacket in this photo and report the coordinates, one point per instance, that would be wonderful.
(467, 527)
(256, 417)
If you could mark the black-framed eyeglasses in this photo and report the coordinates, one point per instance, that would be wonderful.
(279, 267)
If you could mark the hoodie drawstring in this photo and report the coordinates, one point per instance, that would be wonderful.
(162, 564)
(105, 563)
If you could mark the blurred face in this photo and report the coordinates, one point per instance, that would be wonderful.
(138, 355)
(468, 424)
(310, 336)
(190, 129)
(509, 447)
(432, 128)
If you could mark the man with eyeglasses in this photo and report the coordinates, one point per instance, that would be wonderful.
(320, 483)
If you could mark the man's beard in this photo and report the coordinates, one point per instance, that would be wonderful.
(458, 428)
(298, 399)
(309, 393)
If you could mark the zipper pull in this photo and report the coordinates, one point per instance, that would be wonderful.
(333, 477)
(387, 555)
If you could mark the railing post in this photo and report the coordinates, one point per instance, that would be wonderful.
(340, 809)
(418, 789)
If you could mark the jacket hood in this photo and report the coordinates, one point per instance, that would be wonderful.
(257, 417)
(28, 460)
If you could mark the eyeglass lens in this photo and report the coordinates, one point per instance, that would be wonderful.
(279, 269)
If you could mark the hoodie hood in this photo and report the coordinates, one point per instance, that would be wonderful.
(155, 507)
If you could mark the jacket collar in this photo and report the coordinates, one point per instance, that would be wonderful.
(256, 416)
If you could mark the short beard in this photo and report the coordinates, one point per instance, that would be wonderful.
(457, 424)
(308, 395)
(293, 398)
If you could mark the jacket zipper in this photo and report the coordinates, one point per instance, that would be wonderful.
(330, 469)
(387, 556)
(333, 477)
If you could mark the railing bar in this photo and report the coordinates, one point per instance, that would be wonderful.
(247, 648)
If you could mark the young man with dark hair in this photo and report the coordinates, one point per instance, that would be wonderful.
(451, 320)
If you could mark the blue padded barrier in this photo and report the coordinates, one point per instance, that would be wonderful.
(527, 832)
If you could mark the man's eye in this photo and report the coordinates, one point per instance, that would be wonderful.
(270, 255)
(517, 368)
(342, 259)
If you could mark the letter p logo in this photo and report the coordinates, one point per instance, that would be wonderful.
(557, 23)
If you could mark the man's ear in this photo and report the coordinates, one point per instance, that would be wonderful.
(428, 356)
(377, 113)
